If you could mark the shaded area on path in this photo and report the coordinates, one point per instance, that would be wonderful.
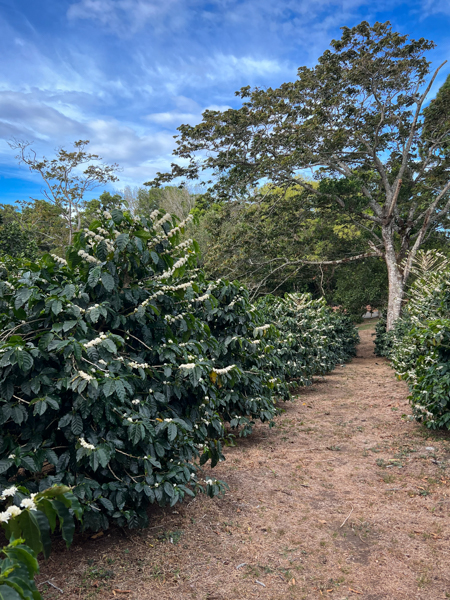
(343, 499)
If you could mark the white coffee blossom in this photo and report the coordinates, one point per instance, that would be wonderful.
(224, 370)
(13, 510)
(28, 503)
(96, 341)
(87, 257)
(136, 365)
(85, 376)
(85, 444)
(9, 492)
(58, 259)
(261, 329)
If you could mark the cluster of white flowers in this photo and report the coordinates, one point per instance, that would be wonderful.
(12, 456)
(135, 401)
(95, 237)
(85, 376)
(85, 444)
(188, 366)
(58, 259)
(10, 285)
(176, 288)
(224, 370)
(167, 217)
(233, 302)
(180, 263)
(181, 225)
(28, 503)
(11, 511)
(171, 319)
(136, 365)
(200, 298)
(97, 341)
(8, 492)
(261, 329)
(103, 362)
(107, 214)
(163, 290)
(87, 257)
(185, 244)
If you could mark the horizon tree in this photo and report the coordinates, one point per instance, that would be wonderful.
(357, 121)
(67, 177)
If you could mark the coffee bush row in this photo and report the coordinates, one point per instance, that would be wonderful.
(122, 369)
(419, 346)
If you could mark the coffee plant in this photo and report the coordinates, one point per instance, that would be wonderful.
(28, 521)
(419, 344)
(313, 339)
(121, 367)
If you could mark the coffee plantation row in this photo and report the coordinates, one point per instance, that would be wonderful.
(122, 370)
(419, 344)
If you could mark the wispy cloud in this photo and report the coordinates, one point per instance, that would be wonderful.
(126, 73)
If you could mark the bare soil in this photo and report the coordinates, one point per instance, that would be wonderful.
(344, 498)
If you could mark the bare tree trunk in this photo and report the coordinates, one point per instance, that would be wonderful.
(395, 278)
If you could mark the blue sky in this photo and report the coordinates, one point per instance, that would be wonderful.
(126, 73)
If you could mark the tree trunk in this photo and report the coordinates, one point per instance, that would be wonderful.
(395, 278)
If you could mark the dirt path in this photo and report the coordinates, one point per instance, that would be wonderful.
(344, 499)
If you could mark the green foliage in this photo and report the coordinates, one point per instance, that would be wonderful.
(357, 119)
(17, 571)
(67, 177)
(313, 340)
(30, 520)
(17, 242)
(360, 284)
(121, 365)
(246, 239)
(418, 345)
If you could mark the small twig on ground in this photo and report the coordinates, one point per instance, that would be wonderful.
(52, 584)
(260, 583)
(241, 565)
(283, 492)
(345, 521)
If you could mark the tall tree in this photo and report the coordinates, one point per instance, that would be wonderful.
(358, 121)
(67, 177)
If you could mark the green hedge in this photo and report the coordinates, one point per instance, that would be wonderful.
(121, 365)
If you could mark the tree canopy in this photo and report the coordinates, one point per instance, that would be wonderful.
(357, 120)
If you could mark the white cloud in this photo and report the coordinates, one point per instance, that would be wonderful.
(125, 17)
(432, 7)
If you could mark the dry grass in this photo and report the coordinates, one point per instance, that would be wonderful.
(343, 499)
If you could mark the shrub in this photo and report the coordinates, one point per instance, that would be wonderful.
(313, 340)
(418, 345)
(28, 521)
(120, 366)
